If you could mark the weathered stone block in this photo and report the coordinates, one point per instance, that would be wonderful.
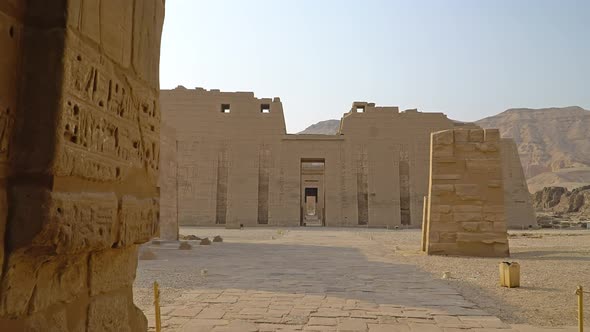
(481, 226)
(442, 209)
(446, 177)
(461, 135)
(476, 135)
(492, 135)
(443, 151)
(112, 269)
(139, 220)
(468, 191)
(489, 166)
(447, 237)
(483, 237)
(110, 313)
(61, 279)
(438, 189)
(443, 138)
(467, 216)
(487, 147)
(467, 208)
(80, 222)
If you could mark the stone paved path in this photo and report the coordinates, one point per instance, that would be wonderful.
(302, 280)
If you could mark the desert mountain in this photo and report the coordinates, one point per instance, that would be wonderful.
(553, 143)
(328, 127)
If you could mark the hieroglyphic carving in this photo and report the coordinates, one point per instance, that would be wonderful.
(138, 219)
(78, 222)
(110, 122)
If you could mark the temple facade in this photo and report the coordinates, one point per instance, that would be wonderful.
(235, 165)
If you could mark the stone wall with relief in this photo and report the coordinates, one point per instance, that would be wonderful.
(466, 213)
(167, 183)
(79, 160)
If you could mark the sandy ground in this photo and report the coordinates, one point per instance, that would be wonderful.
(552, 263)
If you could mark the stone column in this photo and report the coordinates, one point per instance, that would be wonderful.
(79, 156)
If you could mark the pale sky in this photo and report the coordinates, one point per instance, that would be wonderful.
(469, 59)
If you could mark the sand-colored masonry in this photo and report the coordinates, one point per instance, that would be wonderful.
(466, 212)
(79, 159)
(237, 166)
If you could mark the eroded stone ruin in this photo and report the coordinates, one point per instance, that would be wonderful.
(465, 206)
(79, 159)
(237, 166)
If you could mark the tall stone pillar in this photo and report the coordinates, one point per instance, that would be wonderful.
(79, 156)
(466, 214)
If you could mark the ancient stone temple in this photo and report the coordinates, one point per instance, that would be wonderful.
(79, 159)
(235, 165)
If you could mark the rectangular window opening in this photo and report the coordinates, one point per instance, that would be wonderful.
(265, 108)
(360, 109)
(225, 108)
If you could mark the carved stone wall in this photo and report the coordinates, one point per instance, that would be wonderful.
(237, 165)
(168, 184)
(79, 160)
(466, 212)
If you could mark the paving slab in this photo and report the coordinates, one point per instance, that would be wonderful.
(303, 280)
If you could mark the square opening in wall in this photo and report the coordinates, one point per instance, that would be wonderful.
(265, 108)
(225, 108)
(360, 109)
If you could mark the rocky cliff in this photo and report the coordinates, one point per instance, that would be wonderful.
(560, 202)
(553, 144)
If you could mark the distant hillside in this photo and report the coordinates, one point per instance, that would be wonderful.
(328, 127)
(553, 143)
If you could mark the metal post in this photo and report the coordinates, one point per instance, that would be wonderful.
(157, 307)
(580, 293)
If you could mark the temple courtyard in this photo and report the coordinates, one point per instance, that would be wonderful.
(339, 279)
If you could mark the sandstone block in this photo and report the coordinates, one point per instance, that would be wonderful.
(112, 269)
(467, 216)
(139, 220)
(487, 147)
(443, 137)
(110, 313)
(443, 151)
(438, 189)
(492, 135)
(80, 222)
(481, 226)
(467, 208)
(461, 135)
(60, 279)
(487, 238)
(442, 209)
(476, 135)
(447, 237)
(446, 177)
(468, 191)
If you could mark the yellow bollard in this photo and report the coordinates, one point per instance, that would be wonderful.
(157, 307)
(580, 293)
